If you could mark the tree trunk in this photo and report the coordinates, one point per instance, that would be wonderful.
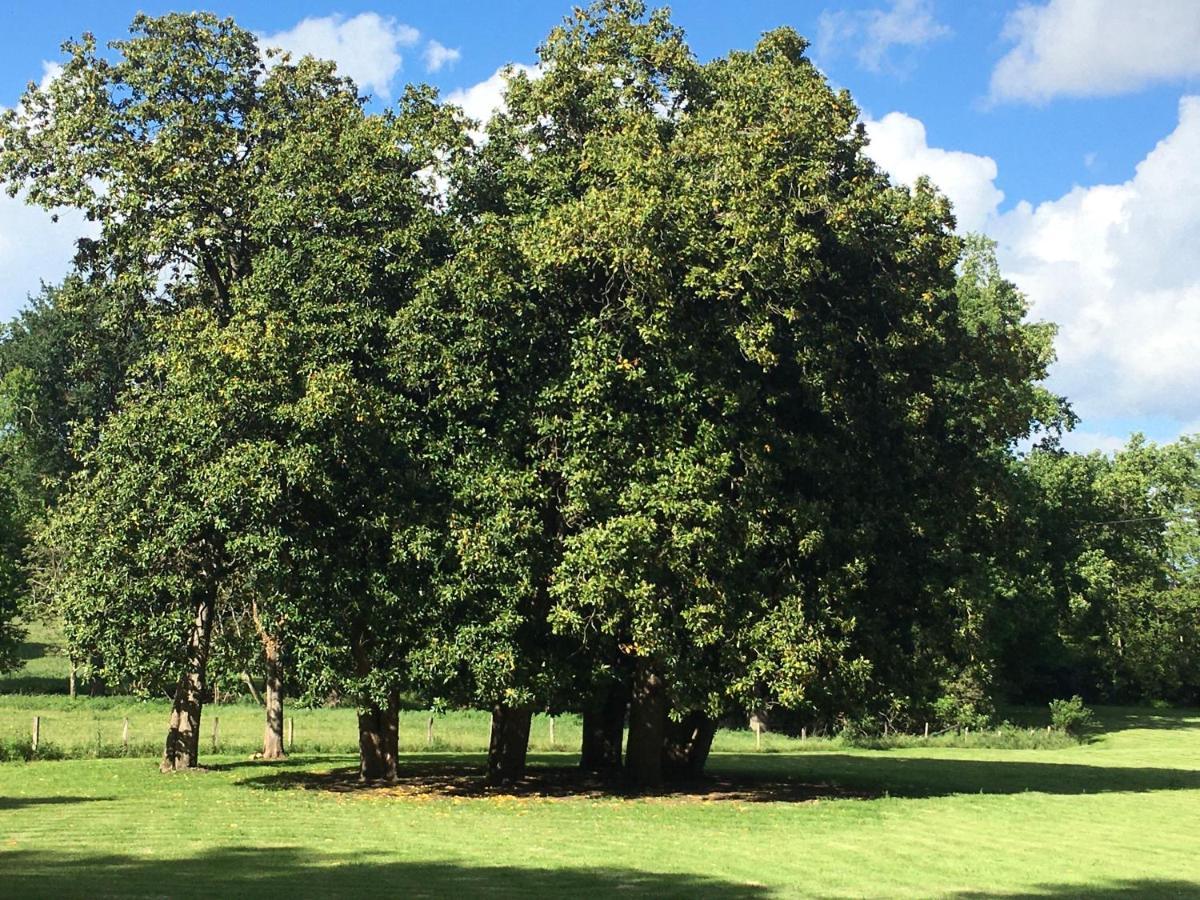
(509, 743)
(379, 740)
(647, 724)
(603, 728)
(182, 750)
(273, 732)
(687, 744)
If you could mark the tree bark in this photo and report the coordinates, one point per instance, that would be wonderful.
(687, 745)
(273, 732)
(182, 750)
(603, 728)
(647, 724)
(509, 743)
(379, 739)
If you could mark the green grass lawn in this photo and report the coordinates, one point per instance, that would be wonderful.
(1119, 816)
(44, 667)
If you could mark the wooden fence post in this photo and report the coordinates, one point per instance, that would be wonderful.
(291, 733)
(125, 734)
(926, 731)
(552, 732)
(37, 731)
(216, 732)
(429, 732)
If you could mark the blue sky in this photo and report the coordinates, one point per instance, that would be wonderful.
(1063, 128)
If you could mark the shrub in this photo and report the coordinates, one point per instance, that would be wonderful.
(1003, 737)
(1072, 717)
(965, 701)
(21, 750)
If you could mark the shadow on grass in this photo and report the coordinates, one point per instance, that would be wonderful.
(299, 759)
(32, 684)
(775, 778)
(8, 803)
(462, 776)
(1145, 887)
(1128, 718)
(297, 872)
(918, 776)
(34, 650)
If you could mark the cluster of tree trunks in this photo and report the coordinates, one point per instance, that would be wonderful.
(658, 746)
(687, 744)
(661, 747)
(182, 748)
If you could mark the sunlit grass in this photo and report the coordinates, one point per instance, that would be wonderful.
(1113, 818)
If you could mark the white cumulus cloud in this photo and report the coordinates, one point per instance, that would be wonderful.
(1086, 48)
(483, 100)
(50, 71)
(1116, 266)
(366, 47)
(899, 145)
(905, 23)
(438, 56)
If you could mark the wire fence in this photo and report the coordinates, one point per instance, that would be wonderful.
(76, 733)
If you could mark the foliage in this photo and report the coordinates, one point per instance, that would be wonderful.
(11, 578)
(965, 705)
(253, 463)
(62, 363)
(1072, 717)
(1100, 597)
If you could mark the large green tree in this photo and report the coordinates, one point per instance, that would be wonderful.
(351, 218)
(169, 142)
(775, 409)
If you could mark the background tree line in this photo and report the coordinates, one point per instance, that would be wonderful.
(653, 400)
